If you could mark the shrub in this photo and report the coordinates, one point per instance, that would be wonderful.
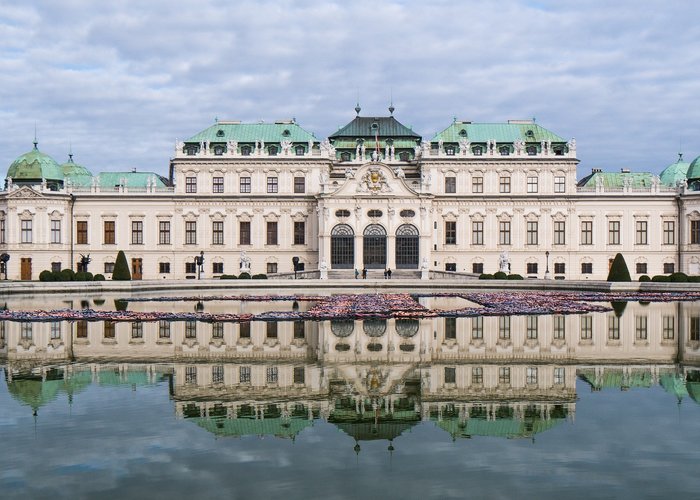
(644, 278)
(121, 268)
(678, 278)
(486, 276)
(693, 279)
(83, 276)
(260, 276)
(98, 277)
(660, 278)
(500, 275)
(244, 276)
(46, 276)
(228, 277)
(67, 275)
(56, 275)
(515, 277)
(618, 270)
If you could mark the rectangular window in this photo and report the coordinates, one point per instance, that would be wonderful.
(271, 233)
(531, 375)
(271, 329)
(190, 268)
(559, 332)
(217, 330)
(3, 238)
(669, 327)
(81, 327)
(244, 233)
(190, 329)
(299, 232)
(271, 267)
(109, 267)
(560, 184)
(55, 267)
(614, 232)
(164, 329)
(669, 232)
(217, 232)
(694, 330)
(504, 232)
(272, 374)
(477, 184)
(641, 267)
(613, 327)
(109, 329)
(477, 232)
(450, 184)
(450, 267)
(164, 267)
(217, 185)
(669, 267)
(641, 331)
(477, 375)
(244, 330)
(451, 328)
(217, 268)
(81, 237)
(504, 184)
(190, 184)
(110, 232)
(694, 232)
(559, 232)
(586, 268)
(190, 375)
(26, 331)
(55, 231)
(217, 374)
(26, 228)
(137, 330)
(504, 375)
(244, 184)
(137, 232)
(532, 184)
(504, 327)
(478, 267)
(300, 185)
(478, 327)
(450, 232)
(272, 185)
(532, 232)
(299, 330)
(164, 232)
(586, 327)
(531, 329)
(244, 374)
(641, 232)
(56, 330)
(190, 232)
(299, 375)
(531, 267)
(559, 376)
(559, 268)
(450, 375)
(586, 232)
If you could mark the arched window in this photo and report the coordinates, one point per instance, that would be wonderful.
(374, 214)
(477, 150)
(407, 213)
(374, 247)
(272, 150)
(374, 327)
(342, 247)
(342, 327)
(407, 247)
(219, 150)
(504, 150)
(450, 150)
(345, 156)
(342, 213)
(246, 150)
(404, 156)
(406, 328)
(531, 150)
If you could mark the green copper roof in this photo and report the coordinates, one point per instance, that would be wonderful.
(72, 169)
(133, 179)
(251, 132)
(500, 132)
(675, 172)
(369, 143)
(35, 392)
(611, 180)
(617, 379)
(35, 166)
(367, 127)
(503, 427)
(694, 169)
(673, 384)
(286, 428)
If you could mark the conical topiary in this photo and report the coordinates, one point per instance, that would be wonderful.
(618, 270)
(121, 268)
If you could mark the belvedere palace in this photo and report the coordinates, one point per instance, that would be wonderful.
(375, 195)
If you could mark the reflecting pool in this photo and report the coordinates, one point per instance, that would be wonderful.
(595, 405)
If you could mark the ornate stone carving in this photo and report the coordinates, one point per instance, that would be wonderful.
(373, 181)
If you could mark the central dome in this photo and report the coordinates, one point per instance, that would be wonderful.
(33, 167)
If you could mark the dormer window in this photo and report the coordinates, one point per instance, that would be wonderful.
(463, 133)
(477, 150)
(299, 150)
(404, 156)
(345, 156)
(450, 150)
(531, 150)
(558, 151)
(530, 134)
(191, 150)
(504, 150)
(272, 150)
(286, 133)
(219, 150)
(246, 150)
(219, 133)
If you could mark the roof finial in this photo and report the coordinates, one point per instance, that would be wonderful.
(358, 108)
(36, 143)
(391, 101)
(70, 151)
(680, 157)
(534, 120)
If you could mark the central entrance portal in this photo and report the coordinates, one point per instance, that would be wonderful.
(374, 247)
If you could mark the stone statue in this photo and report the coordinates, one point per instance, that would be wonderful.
(323, 266)
(286, 146)
(400, 173)
(179, 147)
(425, 178)
(464, 146)
(519, 146)
(323, 177)
(424, 264)
(375, 156)
(245, 262)
(232, 147)
(504, 262)
(349, 174)
(311, 147)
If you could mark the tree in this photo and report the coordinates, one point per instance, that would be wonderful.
(121, 268)
(618, 270)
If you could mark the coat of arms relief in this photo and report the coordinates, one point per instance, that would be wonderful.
(373, 181)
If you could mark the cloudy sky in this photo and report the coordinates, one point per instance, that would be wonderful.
(122, 80)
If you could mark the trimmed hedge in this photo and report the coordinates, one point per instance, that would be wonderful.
(46, 276)
(228, 277)
(500, 275)
(678, 278)
(259, 276)
(618, 270)
(515, 277)
(121, 268)
(660, 278)
(244, 276)
(66, 275)
(644, 278)
(486, 276)
(98, 277)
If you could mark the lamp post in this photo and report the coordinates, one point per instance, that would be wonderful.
(3, 263)
(199, 262)
(546, 272)
(295, 263)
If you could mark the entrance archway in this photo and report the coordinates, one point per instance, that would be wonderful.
(374, 247)
(407, 244)
(342, 247)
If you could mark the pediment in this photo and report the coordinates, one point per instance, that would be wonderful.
(24, 192)
(374, 179)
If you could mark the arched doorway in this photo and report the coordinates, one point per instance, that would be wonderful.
(342, 247)
(407, 244)
(374, 247)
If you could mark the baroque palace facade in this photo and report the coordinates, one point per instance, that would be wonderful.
(475, 198)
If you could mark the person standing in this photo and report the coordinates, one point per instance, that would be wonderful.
(357, 273)
(388, 273)
(384, 273)
(364, 273)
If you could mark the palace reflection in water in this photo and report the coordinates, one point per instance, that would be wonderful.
(508, 376)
